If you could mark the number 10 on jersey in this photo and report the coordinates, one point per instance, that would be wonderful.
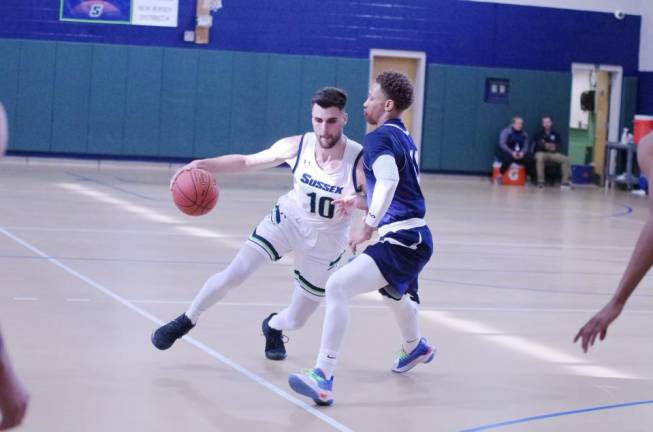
(322, 205)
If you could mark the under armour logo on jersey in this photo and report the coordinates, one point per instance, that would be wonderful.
(307, 162)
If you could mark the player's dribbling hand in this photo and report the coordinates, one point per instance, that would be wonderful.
(186, 167)
(359, 236)
(598, 325)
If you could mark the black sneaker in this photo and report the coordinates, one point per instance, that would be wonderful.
(274, 347)
(167, 334)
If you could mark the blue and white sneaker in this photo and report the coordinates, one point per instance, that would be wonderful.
(423, 353)
(313, 384)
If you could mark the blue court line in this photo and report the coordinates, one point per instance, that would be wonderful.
(628, 211)
(556, 414)
(109, 185)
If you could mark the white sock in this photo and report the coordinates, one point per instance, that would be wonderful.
(359, 276)
(407, 316)
(248, 259)
(294, 316)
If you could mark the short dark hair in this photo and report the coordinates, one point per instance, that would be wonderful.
(328, 97)
(397, 87)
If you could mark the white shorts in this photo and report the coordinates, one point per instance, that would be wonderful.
(317, 252)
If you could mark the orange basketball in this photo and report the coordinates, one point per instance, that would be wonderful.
(195, 192)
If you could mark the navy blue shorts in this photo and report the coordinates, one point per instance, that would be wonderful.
(401, 256)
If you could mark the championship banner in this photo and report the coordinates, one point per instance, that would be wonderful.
(160, 13)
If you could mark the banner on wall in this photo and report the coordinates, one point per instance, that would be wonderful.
(161, 13)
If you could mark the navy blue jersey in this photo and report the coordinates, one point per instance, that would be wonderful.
(392, 139)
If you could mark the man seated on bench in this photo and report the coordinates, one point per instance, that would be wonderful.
(547, 145)
(513, 148)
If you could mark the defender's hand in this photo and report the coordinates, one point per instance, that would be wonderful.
(361, 235)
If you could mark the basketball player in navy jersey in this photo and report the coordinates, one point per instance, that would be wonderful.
(396, 209)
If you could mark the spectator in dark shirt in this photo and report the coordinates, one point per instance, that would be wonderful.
(513, 148)
(547, 145)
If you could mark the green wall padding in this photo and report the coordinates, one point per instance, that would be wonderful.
(72, 90)
(108, 99)
(283, 104)
(32, 128)
(143, 104)
(188, 103)
(248, 111)
(178, 93)
(461, 130)
(9, 70)
(214, 99)
(352, 75)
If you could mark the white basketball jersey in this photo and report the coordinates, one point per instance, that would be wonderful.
(315, 189)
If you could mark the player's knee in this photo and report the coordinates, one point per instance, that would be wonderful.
(336, 286)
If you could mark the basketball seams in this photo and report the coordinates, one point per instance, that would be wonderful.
(204, 200)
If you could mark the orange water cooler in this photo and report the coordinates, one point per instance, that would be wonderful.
(515, 176)
(642, 125)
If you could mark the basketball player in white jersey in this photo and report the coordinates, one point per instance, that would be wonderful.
(325, 166)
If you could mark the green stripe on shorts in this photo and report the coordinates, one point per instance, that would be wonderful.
(265, 245)
(335, 262)
(307, 286)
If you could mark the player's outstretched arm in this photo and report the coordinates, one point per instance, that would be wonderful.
(640, 262)
(13, 396)
(278, 153)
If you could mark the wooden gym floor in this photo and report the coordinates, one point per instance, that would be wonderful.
(94, 255)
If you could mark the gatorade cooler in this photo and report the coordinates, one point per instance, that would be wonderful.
(642, 125)
(515, 176)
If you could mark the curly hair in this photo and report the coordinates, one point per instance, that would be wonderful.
(328, 97)
(397, 87)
